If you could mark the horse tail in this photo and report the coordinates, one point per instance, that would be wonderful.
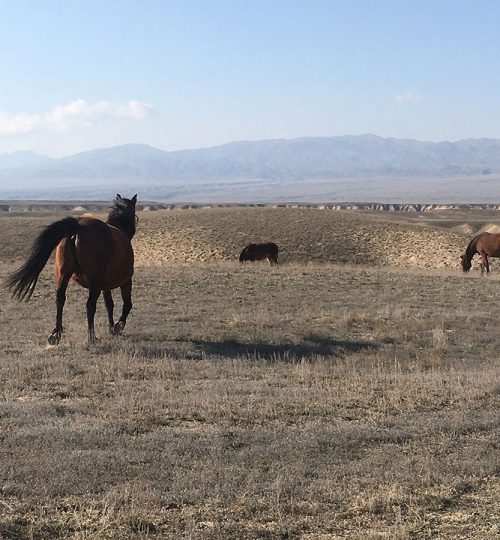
(22, 282)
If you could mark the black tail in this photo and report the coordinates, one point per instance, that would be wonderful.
(23, 281)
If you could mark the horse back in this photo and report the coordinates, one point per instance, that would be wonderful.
(488, 243)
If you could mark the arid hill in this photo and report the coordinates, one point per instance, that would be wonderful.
(433, 239)
(309, 235)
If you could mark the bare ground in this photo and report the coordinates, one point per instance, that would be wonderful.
(312, 235)
(312, 400)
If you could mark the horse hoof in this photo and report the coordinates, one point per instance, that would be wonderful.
(54, 339)
(117, 329)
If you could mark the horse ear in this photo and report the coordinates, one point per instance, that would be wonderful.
(134, 198)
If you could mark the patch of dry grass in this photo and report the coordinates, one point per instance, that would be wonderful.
(303, 401)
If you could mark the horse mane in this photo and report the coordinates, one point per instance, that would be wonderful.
(470, 251)
(471, 248)
(123, 217)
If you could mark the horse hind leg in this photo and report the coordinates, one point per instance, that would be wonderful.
(108, 302)
(91, 309)
(62, 284)
(126, 291)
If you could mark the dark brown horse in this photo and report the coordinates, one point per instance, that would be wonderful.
(486, 245)
(259, 252)
(96, 254)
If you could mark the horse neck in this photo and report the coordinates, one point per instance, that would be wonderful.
(469, 253)
(123, 222)
(471, 249)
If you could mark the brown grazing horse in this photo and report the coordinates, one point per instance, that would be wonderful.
(258, 252)
(487, 245)
(96, 254)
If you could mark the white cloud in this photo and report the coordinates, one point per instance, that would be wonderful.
(408, 97)
(74, 114)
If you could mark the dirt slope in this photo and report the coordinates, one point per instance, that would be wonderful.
(303, 235)
(430, 240)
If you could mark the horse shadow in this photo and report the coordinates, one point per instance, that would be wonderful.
(311, 347)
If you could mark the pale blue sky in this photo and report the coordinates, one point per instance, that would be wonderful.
(77, 75)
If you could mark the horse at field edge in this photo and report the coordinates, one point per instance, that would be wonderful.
(97, 255)
(486, 245)
(259, 252)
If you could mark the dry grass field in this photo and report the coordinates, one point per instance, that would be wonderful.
(351, 392)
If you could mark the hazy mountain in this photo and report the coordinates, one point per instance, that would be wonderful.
(308, 160)
(23, 159)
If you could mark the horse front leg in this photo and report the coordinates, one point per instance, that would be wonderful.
(62, 284)
(108, 302)
(487, 264)
(126, 291)
(91, 309)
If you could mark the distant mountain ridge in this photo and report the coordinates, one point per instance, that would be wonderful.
(23, 159)
(308, 157)
(274, 161)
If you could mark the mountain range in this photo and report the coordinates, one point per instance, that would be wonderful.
(288, 167)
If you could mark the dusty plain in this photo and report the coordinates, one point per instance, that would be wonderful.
(351, 392)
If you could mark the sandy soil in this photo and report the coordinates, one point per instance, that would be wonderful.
(307, 235)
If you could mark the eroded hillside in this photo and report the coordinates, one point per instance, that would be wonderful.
(402, 239)
(303, 235)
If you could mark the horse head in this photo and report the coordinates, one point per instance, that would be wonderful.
(244, 255)
(466, 263)
(122, 214)
(126, 205)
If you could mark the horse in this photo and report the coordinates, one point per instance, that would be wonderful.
(96, 254)
(258, 252)
(486, 245)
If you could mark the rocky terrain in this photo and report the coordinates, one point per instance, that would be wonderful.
(97, 206)
(426, 240)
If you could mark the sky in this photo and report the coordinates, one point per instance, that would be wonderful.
(77, 75)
